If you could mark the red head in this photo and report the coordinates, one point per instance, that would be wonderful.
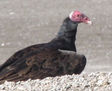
(79, 17)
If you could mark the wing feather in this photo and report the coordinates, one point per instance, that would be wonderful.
(20, 54)
(43, 63)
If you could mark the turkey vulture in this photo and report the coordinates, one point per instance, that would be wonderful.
(55, 58)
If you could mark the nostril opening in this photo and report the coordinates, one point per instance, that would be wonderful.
(85, 18)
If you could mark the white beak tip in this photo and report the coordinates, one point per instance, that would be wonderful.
(89, 22)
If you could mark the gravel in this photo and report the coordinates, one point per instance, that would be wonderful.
(85, 82)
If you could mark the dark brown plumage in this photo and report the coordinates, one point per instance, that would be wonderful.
(51, 59)
(48, 62)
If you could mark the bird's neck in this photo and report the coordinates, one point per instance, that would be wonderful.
(68, 31)
(66, 36)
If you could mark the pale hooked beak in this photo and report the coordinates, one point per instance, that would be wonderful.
(89, 22)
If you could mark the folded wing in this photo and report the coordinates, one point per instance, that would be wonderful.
(43, 63)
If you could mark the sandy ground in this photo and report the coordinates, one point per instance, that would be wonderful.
(84, 82)
(27, 22)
